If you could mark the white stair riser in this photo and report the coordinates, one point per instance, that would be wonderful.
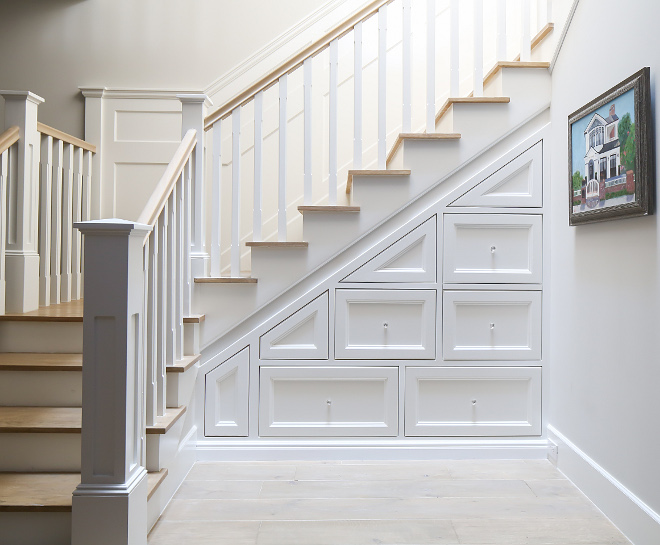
(40, 452)
(162, 448)
(41, 388)
(43, 337)
(35, 528)
(180, 387)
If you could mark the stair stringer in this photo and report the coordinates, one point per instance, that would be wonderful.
(328, 278)
(432, 164)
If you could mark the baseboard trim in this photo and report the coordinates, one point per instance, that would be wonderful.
(228, 449)
(634, 518)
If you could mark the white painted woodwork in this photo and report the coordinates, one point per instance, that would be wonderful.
(332, 124)
(4, 174)
(328, 401)
(478, 34)
(179, 278)
(430, 66)
(357, 96)
(88, 189)
(412, 258)
(170, 297)
(154, 306)
(491, 325)
(258, 166)
(76, 237)
(514, 183)
(22, 245)
(406, 47)
(56, 228)
(161, 362)
(308, 190)
(67, 221)
(216, 198)
(385, 324)
(45, 211)
(492, 248)
(226, 388)
(236, 193)
(281, 178)
(187, 245)
(382, 87)
(501, 30)
(302, 335)
(526, 37)
(454, 67)
(473, 401)
(113, 485)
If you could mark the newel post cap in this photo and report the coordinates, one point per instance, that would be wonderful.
(195, 98)
(112, 226)
(25, 96)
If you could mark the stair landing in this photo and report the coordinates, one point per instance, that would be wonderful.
(63, 312)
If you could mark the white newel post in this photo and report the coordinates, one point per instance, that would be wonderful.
(22, 254)
(110, 504)
(193, 110)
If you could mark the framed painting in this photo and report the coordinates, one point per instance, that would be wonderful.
(611, 154)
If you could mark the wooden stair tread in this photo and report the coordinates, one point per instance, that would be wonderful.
(183, 364)
(226, 280)
(165, 422)
(64, 312)
(303, 209)
(40, 419)
(419, 136)
(50, 492)
(194, 319)
(351, 173)
(277, 244)
(469, 100)
(513, 64)
(29, 361)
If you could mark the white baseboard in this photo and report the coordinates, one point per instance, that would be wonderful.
(338, 449)
(636, 520)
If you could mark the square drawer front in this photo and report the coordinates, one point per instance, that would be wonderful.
(477, 401)
(385, 324)
(328, 401)
(492, 325)
(492, 248)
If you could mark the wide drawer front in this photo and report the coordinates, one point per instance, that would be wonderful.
(477, 401)
(385, 324)
(492, 248)
(328, 401)
(492, 325)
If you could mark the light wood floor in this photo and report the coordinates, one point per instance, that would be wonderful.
(395, 503)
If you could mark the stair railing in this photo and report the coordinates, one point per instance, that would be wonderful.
(46, 184)
(288, 127)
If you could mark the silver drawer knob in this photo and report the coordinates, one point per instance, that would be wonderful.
(385, 325)
(474, 402)
(492, 325)
(329, 401)
(492, 249)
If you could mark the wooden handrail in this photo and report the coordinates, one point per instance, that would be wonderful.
(295, 62)
(161, 193)
(64, 137)
(9, 138)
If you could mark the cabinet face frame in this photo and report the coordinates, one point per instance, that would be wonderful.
(382, 304)
(495, 249)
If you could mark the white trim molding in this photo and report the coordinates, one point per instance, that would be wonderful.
(634, 518)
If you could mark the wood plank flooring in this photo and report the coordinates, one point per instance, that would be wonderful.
(494, 502)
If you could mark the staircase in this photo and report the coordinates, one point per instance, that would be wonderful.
(190, 351)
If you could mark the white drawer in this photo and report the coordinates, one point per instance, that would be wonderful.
(328, 401)
(491, 248)
(491, 325)
(477, 401)
(385, 324)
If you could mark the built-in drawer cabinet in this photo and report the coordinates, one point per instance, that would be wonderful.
(492, 248)
(491, 325)
(385, 324)
(476, 401)
(328, 401)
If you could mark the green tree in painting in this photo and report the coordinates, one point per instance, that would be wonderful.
(624, 129)
(577, 181)
(628, 153)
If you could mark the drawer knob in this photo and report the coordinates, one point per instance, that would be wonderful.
(492, 249)
(385, 325)
(474, 402)
(492, 325)
(329, 401)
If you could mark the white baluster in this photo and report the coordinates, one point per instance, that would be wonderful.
(187, 233)
(430, 66)
(179, 278)
(88, 169)
(548, 11)
(382, 87)
(153, 309)
(281, 194)
(478, 48)
(56, 229)
(407, 61)
(4, 160)
(45, 210)
(526, 46)
(307, 76)
(67, 221)
(216, 198)
(542, 8)
(259, 163)
(162, 310)
(236, 192)
(454, 68)
(357, 97)
(171, 279)
(332, 123)
(76, 235)
(501, 30)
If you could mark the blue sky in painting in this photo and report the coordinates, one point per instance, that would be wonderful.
(623, 104)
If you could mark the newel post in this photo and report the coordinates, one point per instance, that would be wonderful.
(22, 254)
(193, 111)
(110, 504)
